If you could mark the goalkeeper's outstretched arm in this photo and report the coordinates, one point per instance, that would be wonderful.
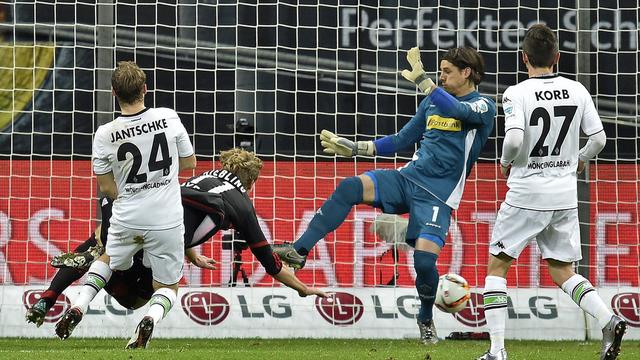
(336, 145)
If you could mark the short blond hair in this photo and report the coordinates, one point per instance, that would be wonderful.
(243, 164)
(128, 82)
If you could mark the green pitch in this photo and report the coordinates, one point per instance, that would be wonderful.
(191, 349)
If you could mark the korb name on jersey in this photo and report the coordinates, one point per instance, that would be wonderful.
(140, 129)
(543, 95)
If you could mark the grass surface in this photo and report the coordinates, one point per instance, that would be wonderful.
(249, 349)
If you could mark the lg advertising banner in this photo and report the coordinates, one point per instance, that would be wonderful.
(47, 207)
(210, 312)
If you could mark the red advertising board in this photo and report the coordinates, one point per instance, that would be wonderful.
(49, 206)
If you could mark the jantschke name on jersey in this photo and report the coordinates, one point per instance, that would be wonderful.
(139, 129)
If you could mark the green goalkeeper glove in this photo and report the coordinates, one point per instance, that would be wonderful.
(333, 144)
(417, 75)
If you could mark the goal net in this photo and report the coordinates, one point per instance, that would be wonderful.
(269, 76)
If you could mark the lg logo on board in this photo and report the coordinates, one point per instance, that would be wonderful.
(340, 308)
(30, 297)
(205, 308)
(627, 306)
(473, 314)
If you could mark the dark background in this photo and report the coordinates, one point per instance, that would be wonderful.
(271, 75)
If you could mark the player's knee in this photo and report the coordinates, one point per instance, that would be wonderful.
(560, 271)
(350, 190)
(424, 262)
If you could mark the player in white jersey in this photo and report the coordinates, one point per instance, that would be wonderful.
(541, 158)
(137, 158)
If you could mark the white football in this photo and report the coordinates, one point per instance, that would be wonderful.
(453, 293)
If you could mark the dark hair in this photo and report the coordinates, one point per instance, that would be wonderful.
(467, 57)
(128, 82)
(541, 45)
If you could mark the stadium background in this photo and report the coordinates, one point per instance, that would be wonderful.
(269, 76)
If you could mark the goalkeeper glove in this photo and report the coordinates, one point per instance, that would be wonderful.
(333, 144)
(417, 75)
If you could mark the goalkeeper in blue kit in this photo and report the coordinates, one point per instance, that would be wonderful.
(451, 125)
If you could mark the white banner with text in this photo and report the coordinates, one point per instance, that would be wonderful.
(262, 312)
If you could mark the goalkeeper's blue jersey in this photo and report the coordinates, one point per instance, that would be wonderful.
(450, 144)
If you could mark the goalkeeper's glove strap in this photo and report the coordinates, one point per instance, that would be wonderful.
(364, 148)
(423, 81)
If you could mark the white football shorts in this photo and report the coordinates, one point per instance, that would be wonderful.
(163, 250)
(557, 233)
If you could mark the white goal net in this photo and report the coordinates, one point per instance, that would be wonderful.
(269, 76)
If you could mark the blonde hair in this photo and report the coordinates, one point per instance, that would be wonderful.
(128, 82)
(243, 164)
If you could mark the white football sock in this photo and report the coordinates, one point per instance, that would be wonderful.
(97, 277)
(495, 310)
(586, 296)
(161, 302)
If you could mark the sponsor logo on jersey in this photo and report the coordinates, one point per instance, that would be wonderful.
(30, 297)
(508, 109)
(441, 123)
(340, 308)
(429, 223)
(479, 106)
(627, 306)
(473, 314)
(205, 308)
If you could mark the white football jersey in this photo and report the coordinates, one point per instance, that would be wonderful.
(551, 110)
(143, 151)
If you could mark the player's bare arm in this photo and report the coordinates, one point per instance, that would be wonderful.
(188, 163)
(107, 185)
(288, 278)
(200, 260)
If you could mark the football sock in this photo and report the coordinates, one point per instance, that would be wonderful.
(583, 294)
(332, 213)
(98, 275)
(50, 297)
(424, 263)
(160, 303)
(66, 276)
(495, 310)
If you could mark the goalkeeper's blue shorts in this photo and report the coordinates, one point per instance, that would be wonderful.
(429, 217)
